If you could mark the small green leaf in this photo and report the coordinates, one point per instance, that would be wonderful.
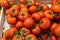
(58, 2)
(29, 38)
(10, 5)
(18, 36)
(16, 33)
(24, 31)
(41, 22)
(13, 10)
(23, 14)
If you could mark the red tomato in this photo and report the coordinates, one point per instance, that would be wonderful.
(56, 8)
(5, 4)
(25, 31)
(22, 16)
(45, 7)
(19, 24)
(48, 14)
(11, 20)
(44, 23)
(44, 37)
(52, 27)
(10, 32)
(36, 16)
(32, 8)
(52, 37)
(17, 37)
(54, 2)
(31, 37)
(24, 9)
(57, 30)
(7, 12)
(36, 30)
(29, 22)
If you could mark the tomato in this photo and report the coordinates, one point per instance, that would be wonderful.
(57, 30)
(36, 16)
(11, 20)
(32, 9)
(48, 14)
(19, 24)
(44, 23)
(56, 8)
(10, 32)
(24, 9)
(7, 12)
(22, 16)
(58, 38)
(44, 37)
(4, 38)
(52, 37)
(54, 2)
(5, 4)
(41, 14)
(57, 16)
(36, 30)
(25, 31)
(22, 1)
(31, 37)
(17, 37)
(45, 7)
(29, 22)
(52, 27)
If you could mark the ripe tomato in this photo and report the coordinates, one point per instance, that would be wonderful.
(29, 22)
(22, 16)
(24, 9)
(22, 1)
(58, 38)
(17, 37)
(5, 4)
(48, 14)
(45, 7)
(57, 30)
(25, 31)
(56, 8)
(36, 16)
(4, 38)
(32, 9)
(52, 27)
(44, 37)
(57, 16)
(10, 32)
(52, 37)
(19, 24)
(36, 30)
(31, 37)
(11, 20)
(44, 23)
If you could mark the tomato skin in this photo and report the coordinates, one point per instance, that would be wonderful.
(22, 16)
(25, 31)
(36, 30)
(5, 4)
(22, 1)
(45, 7)
(53, 27)
(11, 20)
(44, 23)
(56, 8)
(31, 37)
(57, 30)
(22, 5)
(36, 16)
(52, 37)
(24, 9)
(54, 2)
(28, 23)
(58, 38)
(10, 32)
(4, 38)
(32, 9)
(7, 12)
(15, 38)
(48, 14)
(19, 24)
(44, 37)
(41, 14)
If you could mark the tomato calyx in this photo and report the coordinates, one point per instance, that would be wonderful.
(58, 2)
(51, 13)
(13, 10)
(18, 36)
(24, 31)
(23, 14)
(15, 33)
(38, 8)
(41, 22)
(10, 5)
(19, 28)
(29, 38)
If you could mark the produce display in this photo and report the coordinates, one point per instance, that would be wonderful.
(32, 20)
